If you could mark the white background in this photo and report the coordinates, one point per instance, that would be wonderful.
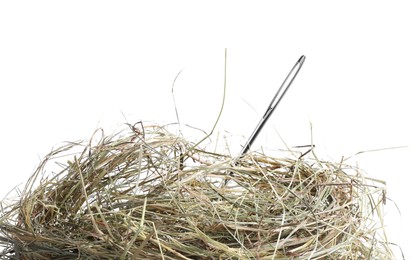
(69, 67)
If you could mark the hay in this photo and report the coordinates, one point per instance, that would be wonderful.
(153, 195)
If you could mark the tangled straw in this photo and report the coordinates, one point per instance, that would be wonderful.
(153, 195)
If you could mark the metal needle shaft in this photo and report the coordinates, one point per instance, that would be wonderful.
(274, 103)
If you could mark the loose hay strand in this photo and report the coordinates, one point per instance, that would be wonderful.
(155, 196)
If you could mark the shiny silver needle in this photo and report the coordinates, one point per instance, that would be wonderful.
(274, 103)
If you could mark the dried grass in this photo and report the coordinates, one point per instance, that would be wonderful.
(154, 195)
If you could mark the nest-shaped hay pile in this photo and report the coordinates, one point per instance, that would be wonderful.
(153, 195)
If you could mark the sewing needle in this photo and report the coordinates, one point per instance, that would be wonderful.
(274, 103)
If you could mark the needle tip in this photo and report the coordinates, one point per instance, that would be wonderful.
(302, 58)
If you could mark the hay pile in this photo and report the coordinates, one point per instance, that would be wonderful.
(153, 195)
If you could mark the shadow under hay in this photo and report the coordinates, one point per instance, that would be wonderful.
(153, 195)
